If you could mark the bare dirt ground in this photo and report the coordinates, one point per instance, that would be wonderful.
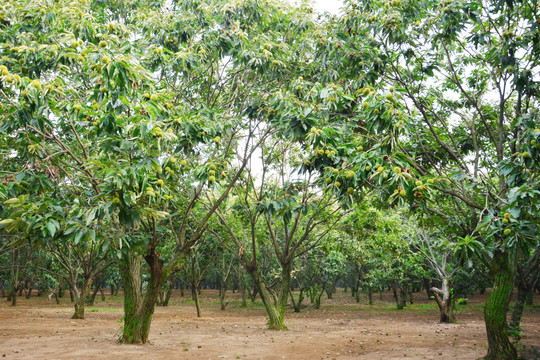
(341, 329)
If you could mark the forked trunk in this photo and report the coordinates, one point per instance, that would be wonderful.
(80, 298)
(285, 287)
(275, 319)
(499, 345)
(297, 305)
(138, 310)
(443, 297)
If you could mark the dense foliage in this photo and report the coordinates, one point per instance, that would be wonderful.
(256, 143)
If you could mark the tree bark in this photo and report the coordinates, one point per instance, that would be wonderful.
(517, 311)
(97, 287)
(241, 285)
(30, 287)
(443, 297)
(499, 345)
(130, 271)
(275, 320)
(14, 277)
(529, 297)
(297, 304)
(80, 298)
(195, 293)
(138, 310)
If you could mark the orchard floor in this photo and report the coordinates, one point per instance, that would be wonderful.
(341, 329)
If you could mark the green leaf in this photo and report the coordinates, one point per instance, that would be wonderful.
(51, 228)
(7, 221)
(90, 216)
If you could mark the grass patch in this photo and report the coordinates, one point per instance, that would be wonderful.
(423, 307)
(105, 309)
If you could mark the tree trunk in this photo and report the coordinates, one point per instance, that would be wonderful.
(529, 297)
(241, 285)
(138, 310)
(499, 345)
(297, 304)
(284, 291)
(30, 288)
(443, 297)
(427, 286)
(275, 321)
(222, 302)
(195, 293)
(61, 289)
(254, 293)
(168, 296)
(330, 289)
(92, 298)
(403, 296)
(80, 298)
(12, 296)
(155, 282)
(318, 295)
(370, 296)
(130, 271)
(14, 277)
(225, 272)
(517, 311)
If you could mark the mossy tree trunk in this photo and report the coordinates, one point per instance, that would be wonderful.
(496, 308)
(80, 297)
(138, 309)
(241, 285)
(283, 297)
(275, 316)
(130, 271)
(517, 311)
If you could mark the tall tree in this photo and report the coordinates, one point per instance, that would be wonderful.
(458, 81)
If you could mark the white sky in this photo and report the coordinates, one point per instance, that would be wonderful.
(332, 6)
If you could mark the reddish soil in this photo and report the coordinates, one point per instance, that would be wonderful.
(341, 329)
